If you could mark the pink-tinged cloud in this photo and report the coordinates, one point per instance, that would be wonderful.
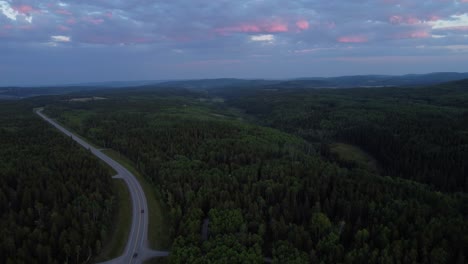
(94, 21)
(397, 20)
(270, 27)
(108, 15)
(302, 24)
(276, 27)
(25, 9)
(63, 28)
(71, 21)
(419, 34)
(413, 35)
(353, 39)
(435, 17)
(412, 20)
(7, 27)
(245, 28)
(63, 12)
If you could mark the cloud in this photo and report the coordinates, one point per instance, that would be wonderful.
(262, 27)
(215, 30)
(457, 48)
(113, 22)
(302, 24)
(60, 38)
(263, 38)
(410, 20)
(353, 39)
(7, 10)
(24, 9)
(455, 22)
(94, 21)
(420, 34)
(13, 12)
(64, 12)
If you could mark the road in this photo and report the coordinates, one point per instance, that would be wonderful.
(138, 238)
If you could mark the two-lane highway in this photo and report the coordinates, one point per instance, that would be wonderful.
(137, 249)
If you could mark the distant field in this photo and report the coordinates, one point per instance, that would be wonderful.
(87, 99)
(353, 154)
(8, 97)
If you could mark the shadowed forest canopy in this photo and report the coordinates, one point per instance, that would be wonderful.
(288, 197)
(55, 200)
(415, 133)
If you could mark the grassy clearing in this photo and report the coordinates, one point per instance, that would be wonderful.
(158, 229)
(115, 245)
(75, 118)
(350, 153)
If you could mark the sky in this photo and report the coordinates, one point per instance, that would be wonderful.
(56, 42)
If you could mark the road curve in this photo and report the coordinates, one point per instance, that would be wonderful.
(138, 238)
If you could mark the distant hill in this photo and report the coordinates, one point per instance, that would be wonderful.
(321, 82)
(116, 84)
(25, 92)
(383, 80)
(409, 80)
(217, 83)
(463, 83)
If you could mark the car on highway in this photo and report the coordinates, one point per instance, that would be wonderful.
(142, 210)
(135, 255)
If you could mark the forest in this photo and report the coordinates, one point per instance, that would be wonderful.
(257, 166)
(419, 134)
(55, 202)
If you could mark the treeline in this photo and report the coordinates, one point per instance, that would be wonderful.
(55, 202)
(268, 194)
(415, 133)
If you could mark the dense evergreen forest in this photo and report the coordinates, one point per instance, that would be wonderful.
(55, 202)
(415, 133)
(266, 193)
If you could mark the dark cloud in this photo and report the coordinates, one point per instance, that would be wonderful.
(196, 38)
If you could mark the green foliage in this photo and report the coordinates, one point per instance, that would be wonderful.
(258, 186)
(55, 198)
(320, 225)
(285, 252)
(225, 221)
(418, 133)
